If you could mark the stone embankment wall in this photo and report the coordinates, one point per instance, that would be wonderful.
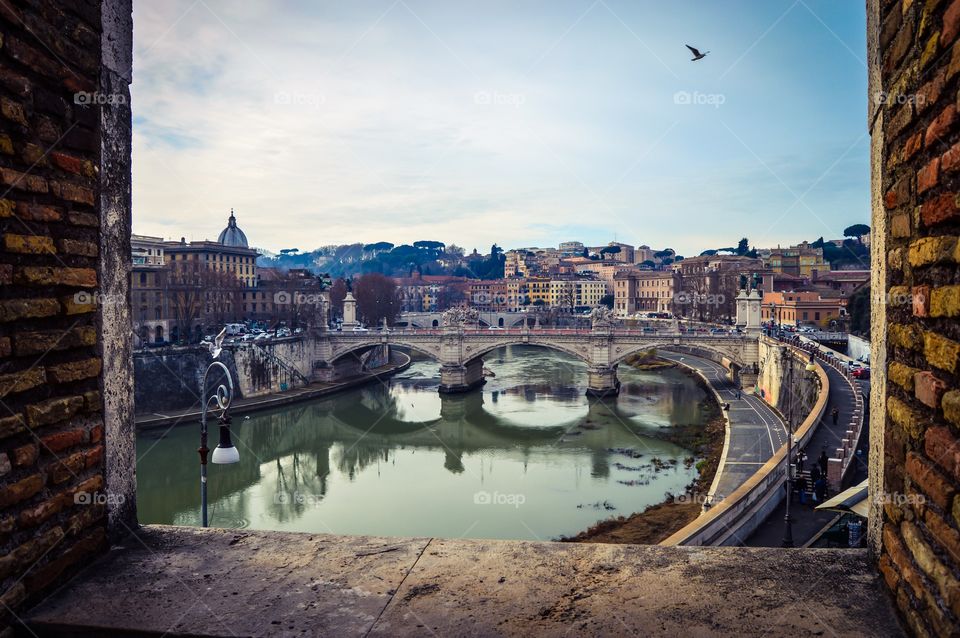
(169, 378)
(777, 368)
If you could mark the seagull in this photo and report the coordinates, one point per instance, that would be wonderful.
(217, 346)
(696, 54)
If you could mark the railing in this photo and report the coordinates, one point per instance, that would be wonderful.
(750, 504)
(283, 365)
(616, 332)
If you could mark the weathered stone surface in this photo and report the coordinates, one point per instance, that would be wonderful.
(298, 584)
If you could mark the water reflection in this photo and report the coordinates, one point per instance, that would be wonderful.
(402, 459)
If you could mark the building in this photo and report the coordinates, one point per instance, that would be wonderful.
(431, 293)
(146, 250)
(603, 270)
(148, 299)
(803, 309)
(230, 254)
(625, 255)
(571, 248)
(801, 259)
(576, 294)
(843, 281)
(710, 283)
(644, 291)
(642, 254)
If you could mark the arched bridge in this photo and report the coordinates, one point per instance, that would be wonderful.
(460, 350)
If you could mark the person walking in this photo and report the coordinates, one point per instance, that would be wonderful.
(822, 461)
(836, 415)
(814, 473)
(820, 489)
(801, 457)
(802, 489)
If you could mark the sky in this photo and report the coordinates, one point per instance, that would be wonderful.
(516, 123)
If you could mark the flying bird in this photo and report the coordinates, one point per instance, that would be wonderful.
(696, 54)
(217, 346)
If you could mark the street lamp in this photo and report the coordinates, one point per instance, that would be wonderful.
(787, 526)
(225, 452)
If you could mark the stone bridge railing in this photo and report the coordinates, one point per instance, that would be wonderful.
(459, 350)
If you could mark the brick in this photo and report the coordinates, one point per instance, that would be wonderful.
(943, 448)
(5, 347)
(45, 511)
(929, 389)
(940, 209)
(53, 410)
(950, 161)
(92, 401)
(70, 163)
(6, 145)
(81, 248)
(945, 536)
(909, 420)
(13, 111)
(945, 301)
(930, 250)
(23, 181)
(940, 126)
(928, 175)
(947, 586)
(898, 553)
(27, 343)
(951, 406)
(28, 244)
(33, 155)
(5, 464)
(10, 425)
(900, 225)
(904, 335)
(25, 455)
(6, 208)
(888, 570)
(89, 516)
(65, 469)
(6, 278)
(912, 145)
(920, 295)
(83, 219)
(92, 458)
(60, 441)
(96, 433)
(14, 309)
(72, 192)
(48, 276)
(21, 381)
(74, 371)
(930, 50)
(898, 194)
(23, 489)
(929, 480)
(941, 352)
(951, 22)
(38, 212)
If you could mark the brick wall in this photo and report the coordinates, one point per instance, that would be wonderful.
(51, 406)
(918, 66)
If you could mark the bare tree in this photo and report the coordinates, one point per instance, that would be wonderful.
(377, 298)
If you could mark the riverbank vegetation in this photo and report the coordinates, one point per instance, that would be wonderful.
(659, 521)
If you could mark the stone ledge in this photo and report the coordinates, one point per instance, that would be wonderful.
(189, 581)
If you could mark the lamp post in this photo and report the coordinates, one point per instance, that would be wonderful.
(787, 526)
(225, 452)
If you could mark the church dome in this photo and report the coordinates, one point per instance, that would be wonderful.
(232, 235)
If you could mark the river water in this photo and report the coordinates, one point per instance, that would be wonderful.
(528, 457)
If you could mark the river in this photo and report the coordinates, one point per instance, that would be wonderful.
(529, 456)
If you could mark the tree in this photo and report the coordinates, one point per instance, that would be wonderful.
(201, 295)
(338, 291)
(377, 298)
(609, 250)
(857, 231)
(743, 246)
(648, 263)
(586, 252)
(607, 300)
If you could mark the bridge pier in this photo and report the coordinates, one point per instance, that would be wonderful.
(461, 378)
(602, 381)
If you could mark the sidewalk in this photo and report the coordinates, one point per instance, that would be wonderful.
(806, 522)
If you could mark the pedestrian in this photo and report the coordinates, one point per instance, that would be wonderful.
(738, 394)
(823, 462)
(820, 489)
(801, 457)
(836, 415)
(802, 489)
(814, 473)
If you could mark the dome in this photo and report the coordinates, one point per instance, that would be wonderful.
(232, 235)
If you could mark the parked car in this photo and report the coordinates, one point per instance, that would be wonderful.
(494, 328)
(360, 329)
(861, 373)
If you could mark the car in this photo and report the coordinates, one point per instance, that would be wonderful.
(494, 328)
(861, 373)
(361, 329)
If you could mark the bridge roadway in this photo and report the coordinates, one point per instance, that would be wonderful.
(754, 432)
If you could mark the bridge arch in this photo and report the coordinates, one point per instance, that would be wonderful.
(361, 347)
(695, 349)
(472, 353)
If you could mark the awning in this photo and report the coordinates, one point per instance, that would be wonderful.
(853, 500)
